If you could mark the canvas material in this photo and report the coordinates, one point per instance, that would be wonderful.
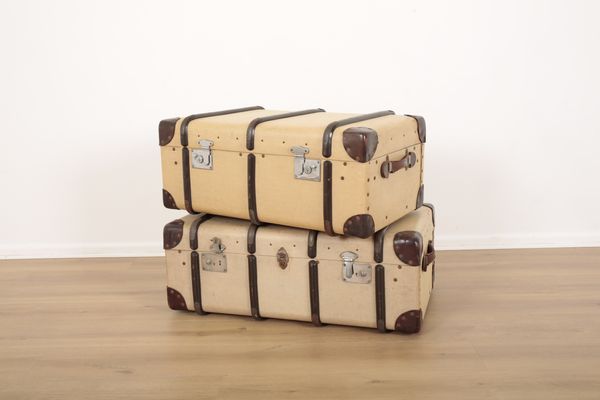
(357, 188)
(284, 293)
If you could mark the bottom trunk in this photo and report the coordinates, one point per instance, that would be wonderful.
(230, 266)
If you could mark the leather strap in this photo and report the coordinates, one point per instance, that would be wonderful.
(380, 297)
(196, 287)
(313, 278)
(389, 167)
(429, 257)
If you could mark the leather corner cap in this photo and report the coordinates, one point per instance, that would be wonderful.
(175, 300)
(408, 246)
(166, 130)
(360, 143)
(361, 225)
(172, 234)
(168, 200)
(409, 322)
(421, 127)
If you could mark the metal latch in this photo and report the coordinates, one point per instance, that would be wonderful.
(353, 272)
(304, 168)
(202, 158)
(215, 261)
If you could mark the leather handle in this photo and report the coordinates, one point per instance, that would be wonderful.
(429, 257)
(389, 167)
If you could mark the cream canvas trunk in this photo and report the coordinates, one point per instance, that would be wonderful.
(225, 265)
(347, 174)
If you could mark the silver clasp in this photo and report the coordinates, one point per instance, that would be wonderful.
(216, 245)
(304, 168)
(353, 272)
(202, 158)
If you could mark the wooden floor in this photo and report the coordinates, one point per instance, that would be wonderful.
(511, 324)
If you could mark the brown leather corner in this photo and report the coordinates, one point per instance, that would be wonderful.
(432, 208)
(168, 200)
(172, 234)
(360, 143)
(166, 130)
(421, 127)
(361, 225)
(420, 196)
(175, 300)
(329, 129)
(408, 246)
(409, 322)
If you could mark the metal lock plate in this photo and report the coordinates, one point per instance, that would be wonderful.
(282, 258)
(304, 168)
(202, 158)
(215, 261)
(353, 272)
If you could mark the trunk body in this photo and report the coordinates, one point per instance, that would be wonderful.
(347, 174)
(225, 265)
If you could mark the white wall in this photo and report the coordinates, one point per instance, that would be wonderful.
(510, 90)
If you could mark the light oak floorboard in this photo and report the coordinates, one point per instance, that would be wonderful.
(502, 324)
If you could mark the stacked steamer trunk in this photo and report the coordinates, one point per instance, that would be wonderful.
(306, 215)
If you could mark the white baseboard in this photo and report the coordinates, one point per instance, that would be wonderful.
(517, 241)
(83, 250)
(466, 242)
